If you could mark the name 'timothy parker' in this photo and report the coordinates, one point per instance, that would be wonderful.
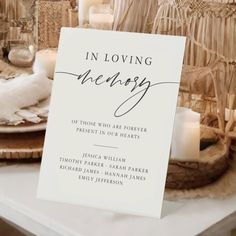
(137, 85)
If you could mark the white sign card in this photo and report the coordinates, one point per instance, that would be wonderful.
(111, 118)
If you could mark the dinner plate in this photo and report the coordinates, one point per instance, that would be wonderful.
(23, 128)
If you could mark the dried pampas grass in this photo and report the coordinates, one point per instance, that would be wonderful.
(210, 28)
(134, 15)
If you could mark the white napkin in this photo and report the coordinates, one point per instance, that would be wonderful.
(21, 92)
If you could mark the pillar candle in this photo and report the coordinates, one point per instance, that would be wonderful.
(101, 17)
(84, 6)
(186, 135)
(45, 61)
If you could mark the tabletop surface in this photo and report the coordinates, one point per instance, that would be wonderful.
(18, 203)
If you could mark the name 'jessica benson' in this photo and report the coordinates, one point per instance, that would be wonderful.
(116, 58)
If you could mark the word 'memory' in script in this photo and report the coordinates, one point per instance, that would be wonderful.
(137, 85)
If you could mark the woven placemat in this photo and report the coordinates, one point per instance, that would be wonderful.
(222, 188)
(21, 146)
(8, 71)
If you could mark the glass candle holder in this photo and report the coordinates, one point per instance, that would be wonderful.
(21, 56)
(22, 43)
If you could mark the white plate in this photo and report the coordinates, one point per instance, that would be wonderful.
(23, 128)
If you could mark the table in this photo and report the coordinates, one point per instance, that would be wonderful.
(18, 204)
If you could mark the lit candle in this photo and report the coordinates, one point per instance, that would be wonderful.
(84, 6)
(186, 135)
(101, 17)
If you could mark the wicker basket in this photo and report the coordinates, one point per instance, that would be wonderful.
(50, 17)
(212, 163)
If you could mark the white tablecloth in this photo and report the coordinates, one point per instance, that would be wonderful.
(18, 203)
